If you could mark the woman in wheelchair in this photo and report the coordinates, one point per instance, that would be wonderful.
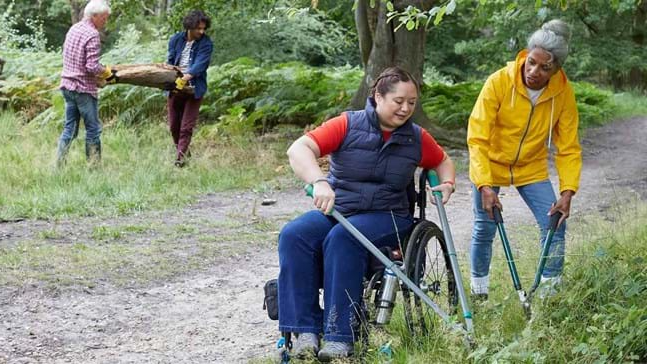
(373, 156)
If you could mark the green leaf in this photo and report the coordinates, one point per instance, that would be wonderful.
(389, 6)
(411, 24)
(439, 16)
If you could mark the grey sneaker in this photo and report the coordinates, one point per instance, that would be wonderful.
(548, 286)
(306, 345)
(335, 349)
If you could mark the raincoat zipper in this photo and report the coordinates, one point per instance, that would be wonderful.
(525, 132)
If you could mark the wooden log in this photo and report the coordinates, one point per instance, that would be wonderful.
(157, 75)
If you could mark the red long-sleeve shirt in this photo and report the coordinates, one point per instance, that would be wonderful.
(330, 135)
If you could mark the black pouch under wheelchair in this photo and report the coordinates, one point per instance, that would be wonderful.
(271, 300)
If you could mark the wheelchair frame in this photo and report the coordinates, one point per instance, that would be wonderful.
(411, 279)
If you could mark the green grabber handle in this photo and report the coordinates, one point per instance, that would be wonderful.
(388, 264)
(523, 296)
(451, 251)
(552, 226)
(498, 220)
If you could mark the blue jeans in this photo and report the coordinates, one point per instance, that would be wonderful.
(79, 105)
(314, 252)
(539, 197)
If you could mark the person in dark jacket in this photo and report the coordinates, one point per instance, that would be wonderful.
(373, 157)
(190, 50)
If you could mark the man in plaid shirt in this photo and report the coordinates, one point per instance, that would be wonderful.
(81, 71)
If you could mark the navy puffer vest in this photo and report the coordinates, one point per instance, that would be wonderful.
(368, 174)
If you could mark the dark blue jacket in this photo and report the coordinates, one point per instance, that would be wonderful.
(199, 59)
(370, 175)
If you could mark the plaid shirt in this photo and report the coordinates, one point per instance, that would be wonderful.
(81, 58)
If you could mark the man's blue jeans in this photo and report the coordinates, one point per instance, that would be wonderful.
(80, 105)
(314, 252)
(539, 197)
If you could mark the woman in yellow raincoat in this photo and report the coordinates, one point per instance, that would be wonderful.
(522, 109)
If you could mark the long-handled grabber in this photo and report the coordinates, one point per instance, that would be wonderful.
(552, 227)
(451, 251)
(395, 268)
(523, 297)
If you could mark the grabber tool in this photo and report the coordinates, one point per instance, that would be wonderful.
(451, 251)
(394, 267)
(523, 296)
(545, 250)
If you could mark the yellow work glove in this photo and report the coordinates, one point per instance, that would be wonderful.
(109, 75)
(107, 72)
(180, 83)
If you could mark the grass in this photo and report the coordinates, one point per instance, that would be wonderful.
(630, 104)
(598, 316)
(136, 173)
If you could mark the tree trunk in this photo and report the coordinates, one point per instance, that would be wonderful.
(161, 8)
(381, 47)
(76, 12)
(157, 75)
(2, 62)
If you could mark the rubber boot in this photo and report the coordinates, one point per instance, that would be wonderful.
(61, 152)
(93, 153)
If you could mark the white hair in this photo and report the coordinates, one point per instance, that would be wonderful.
(553, 37)
(95, 7)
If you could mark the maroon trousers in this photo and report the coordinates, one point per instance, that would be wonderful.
(183, 112)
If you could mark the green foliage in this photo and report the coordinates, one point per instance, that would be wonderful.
(482, 35)
(11, 38)
(136, 172)
(33, 25)
(243, 92)
(595, 106)
(272, 31)
(597, 316)
(413, 17)
(450, 105)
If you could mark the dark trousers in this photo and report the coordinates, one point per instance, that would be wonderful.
(317, 252)
(183, 112)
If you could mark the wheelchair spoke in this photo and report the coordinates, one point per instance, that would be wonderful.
(428, 265)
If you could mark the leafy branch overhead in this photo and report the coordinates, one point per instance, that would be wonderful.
(412, 17)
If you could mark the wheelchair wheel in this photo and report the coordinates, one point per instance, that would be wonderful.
(371, 297)
(427, 264)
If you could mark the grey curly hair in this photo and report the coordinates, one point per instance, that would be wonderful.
(553, 37)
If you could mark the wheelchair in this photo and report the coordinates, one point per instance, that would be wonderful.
(423, 256)
(425, 259)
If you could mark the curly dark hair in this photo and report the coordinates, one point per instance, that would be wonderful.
(193, 19)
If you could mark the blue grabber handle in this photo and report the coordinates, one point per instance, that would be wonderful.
(389, 264)
(552, 227)
(451, 251)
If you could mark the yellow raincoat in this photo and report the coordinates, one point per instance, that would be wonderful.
(508, 138)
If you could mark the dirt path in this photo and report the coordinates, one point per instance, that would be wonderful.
(214, 315)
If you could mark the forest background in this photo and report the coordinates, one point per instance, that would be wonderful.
(279, 67)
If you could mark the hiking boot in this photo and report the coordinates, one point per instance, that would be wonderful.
(335, 349)
(306, 345)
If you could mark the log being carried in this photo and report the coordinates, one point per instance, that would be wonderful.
(157, 75)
